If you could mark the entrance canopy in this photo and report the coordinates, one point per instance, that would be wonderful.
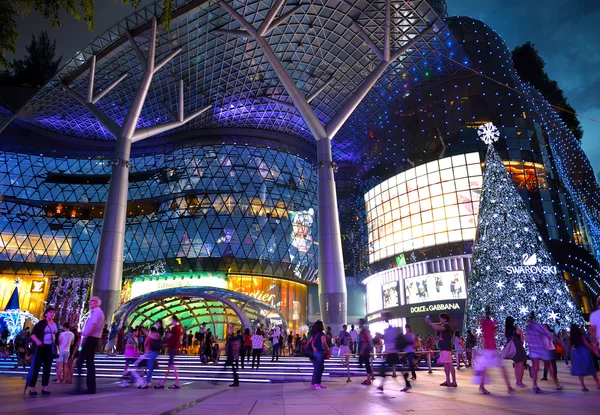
(216, 307)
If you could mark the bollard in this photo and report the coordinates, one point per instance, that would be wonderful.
(349, 380)
(429, 361)
(372, 357)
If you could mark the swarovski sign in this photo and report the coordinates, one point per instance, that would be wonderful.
(530, 267)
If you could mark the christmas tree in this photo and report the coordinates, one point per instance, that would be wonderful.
(512, 270)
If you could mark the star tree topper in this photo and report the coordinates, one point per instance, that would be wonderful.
(488, 133)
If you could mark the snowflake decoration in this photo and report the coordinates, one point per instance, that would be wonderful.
(500, 284)
(517, 245)
(523, 310)
(488, 133)
(520, 285)
(553, 316)
(478, 331)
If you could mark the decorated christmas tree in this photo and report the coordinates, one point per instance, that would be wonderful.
(512, 270)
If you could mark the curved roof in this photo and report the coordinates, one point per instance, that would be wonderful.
(319, 46)
(195, 305)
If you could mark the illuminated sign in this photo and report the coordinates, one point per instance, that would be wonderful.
(38, 286)
(457, 306)
(147, 284)
(373, 316)
(400, 260)
(434, 307)
(258, 294)
(530, 267)
(432, 204)
(435, 287)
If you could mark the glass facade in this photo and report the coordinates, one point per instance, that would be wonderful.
(439, 123)
(291, 298)
(251, 207)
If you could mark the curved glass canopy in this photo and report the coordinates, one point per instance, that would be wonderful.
(220, 309)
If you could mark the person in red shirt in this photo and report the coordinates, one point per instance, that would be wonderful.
(489, 355)
(173, 338)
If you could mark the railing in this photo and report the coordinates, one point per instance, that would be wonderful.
(374, 355)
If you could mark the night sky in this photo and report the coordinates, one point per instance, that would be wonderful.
(565, 32)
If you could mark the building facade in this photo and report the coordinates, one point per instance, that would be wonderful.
(418, 200)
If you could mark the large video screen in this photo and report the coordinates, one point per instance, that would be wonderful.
(391, 295)
(435, 287)
(432, 204)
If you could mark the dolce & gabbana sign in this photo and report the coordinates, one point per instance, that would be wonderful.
(438, 307)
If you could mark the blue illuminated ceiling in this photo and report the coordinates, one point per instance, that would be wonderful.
(318, 45)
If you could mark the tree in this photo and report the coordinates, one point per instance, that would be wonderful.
(50, 10)
(39, 65)
(512, 269)
(530, 68)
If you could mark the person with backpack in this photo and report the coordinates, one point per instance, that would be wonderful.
(409, 349)
(345, 342)
(395, 342)
(365, 347)
(232, 351)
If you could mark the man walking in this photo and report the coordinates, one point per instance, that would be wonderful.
(90, 338)
(365, 347)
(345, 340)
(353, 338)
(112, 339)
(393, 338)
(275, 332)
(173, 338)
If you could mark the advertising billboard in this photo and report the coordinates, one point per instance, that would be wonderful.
(435, 287)
(431, 204)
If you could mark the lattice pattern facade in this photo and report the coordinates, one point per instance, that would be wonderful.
(318, 45)
(229, 202)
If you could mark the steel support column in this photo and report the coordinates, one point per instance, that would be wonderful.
(108, 270)
(333, 296)
(332, 281)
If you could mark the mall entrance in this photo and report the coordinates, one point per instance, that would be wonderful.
(224, 311)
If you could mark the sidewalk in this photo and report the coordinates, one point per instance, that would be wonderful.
(297, 398)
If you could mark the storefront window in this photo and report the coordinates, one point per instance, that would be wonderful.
(291, 298)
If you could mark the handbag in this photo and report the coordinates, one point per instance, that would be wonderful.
(55, 353)
(509, 351)
(307, 349)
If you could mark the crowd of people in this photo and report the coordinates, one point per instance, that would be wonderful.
(398, 347)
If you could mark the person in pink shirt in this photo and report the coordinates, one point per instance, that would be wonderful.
(489, 356)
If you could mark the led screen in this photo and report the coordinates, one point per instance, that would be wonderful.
(391, 296)
(432, 204)
(435, 287)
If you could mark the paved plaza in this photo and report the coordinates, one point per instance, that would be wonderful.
(296, 398)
